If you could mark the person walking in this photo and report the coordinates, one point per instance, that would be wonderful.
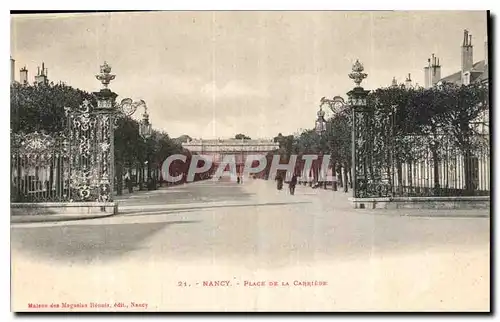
(279, 180)
(292, 184)
(128, 182)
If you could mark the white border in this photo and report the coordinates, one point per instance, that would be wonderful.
(191, 5)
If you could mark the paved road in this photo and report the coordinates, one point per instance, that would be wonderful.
(225, 231)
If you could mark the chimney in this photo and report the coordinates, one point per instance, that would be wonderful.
(12, 69)
(427, 74)
(394, 82)
(23, 76)
(408, 81)
(41, 78)
(467, 58)
(435, 70)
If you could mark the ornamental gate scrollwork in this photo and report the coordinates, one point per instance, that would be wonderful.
(91, 153)
(39, 167)
(76, 165)
(391, 159)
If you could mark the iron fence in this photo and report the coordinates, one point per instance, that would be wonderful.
(427, 166)
(40, 168)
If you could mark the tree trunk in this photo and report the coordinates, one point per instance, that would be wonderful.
(349, 170)
(141, 177)
(334, 175)
(149, 180)
(435, 158)
(59, 179)
(400, 187)
(119, 179)
(409, 176)
(19, 184)
(347, 174)
(469, 173)
(50, 194)
(340, 175)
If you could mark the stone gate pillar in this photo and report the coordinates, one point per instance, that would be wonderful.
(361, 133)
(105, 117)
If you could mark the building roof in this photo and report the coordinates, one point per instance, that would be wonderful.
(484, 75)
(453, 78)
(233, 142)
(479, 72)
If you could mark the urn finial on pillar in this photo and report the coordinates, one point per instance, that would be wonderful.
(357, 74)
(105, 97)
(105, 77)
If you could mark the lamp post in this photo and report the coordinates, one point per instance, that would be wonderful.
(128, 108)
(336, 105)
(145, 131)
(320, 128)
(361, 132)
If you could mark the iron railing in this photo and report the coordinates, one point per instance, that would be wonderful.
(425, 166)
(40, 168)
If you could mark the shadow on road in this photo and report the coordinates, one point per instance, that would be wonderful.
(161, 211)
(85, 243)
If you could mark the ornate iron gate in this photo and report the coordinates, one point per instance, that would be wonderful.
(91, 153)
(76, 165)
(401, 164)
(39, 167)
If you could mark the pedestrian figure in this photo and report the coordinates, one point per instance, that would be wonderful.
(279, 181)
(292, 184)
(128, 182)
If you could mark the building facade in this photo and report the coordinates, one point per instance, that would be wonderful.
(470, 71)
(215, 150)
(40, 78)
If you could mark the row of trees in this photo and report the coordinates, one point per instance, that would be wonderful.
(405, 124)
(41, 108)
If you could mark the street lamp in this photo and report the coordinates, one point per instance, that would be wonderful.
(335, 105)
(320, 129)
(145, 131)
(128, 107)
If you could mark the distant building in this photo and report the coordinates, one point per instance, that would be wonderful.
(23, 76)
(470, 72)
(407, 84)
(41, 77)
(215, 150)
(432, 72)
(230, 145)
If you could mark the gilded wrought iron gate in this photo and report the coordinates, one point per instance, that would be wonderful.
(77, 164)
(391, 161)
(91, 137)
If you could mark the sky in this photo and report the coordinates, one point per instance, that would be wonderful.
(215, 74)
